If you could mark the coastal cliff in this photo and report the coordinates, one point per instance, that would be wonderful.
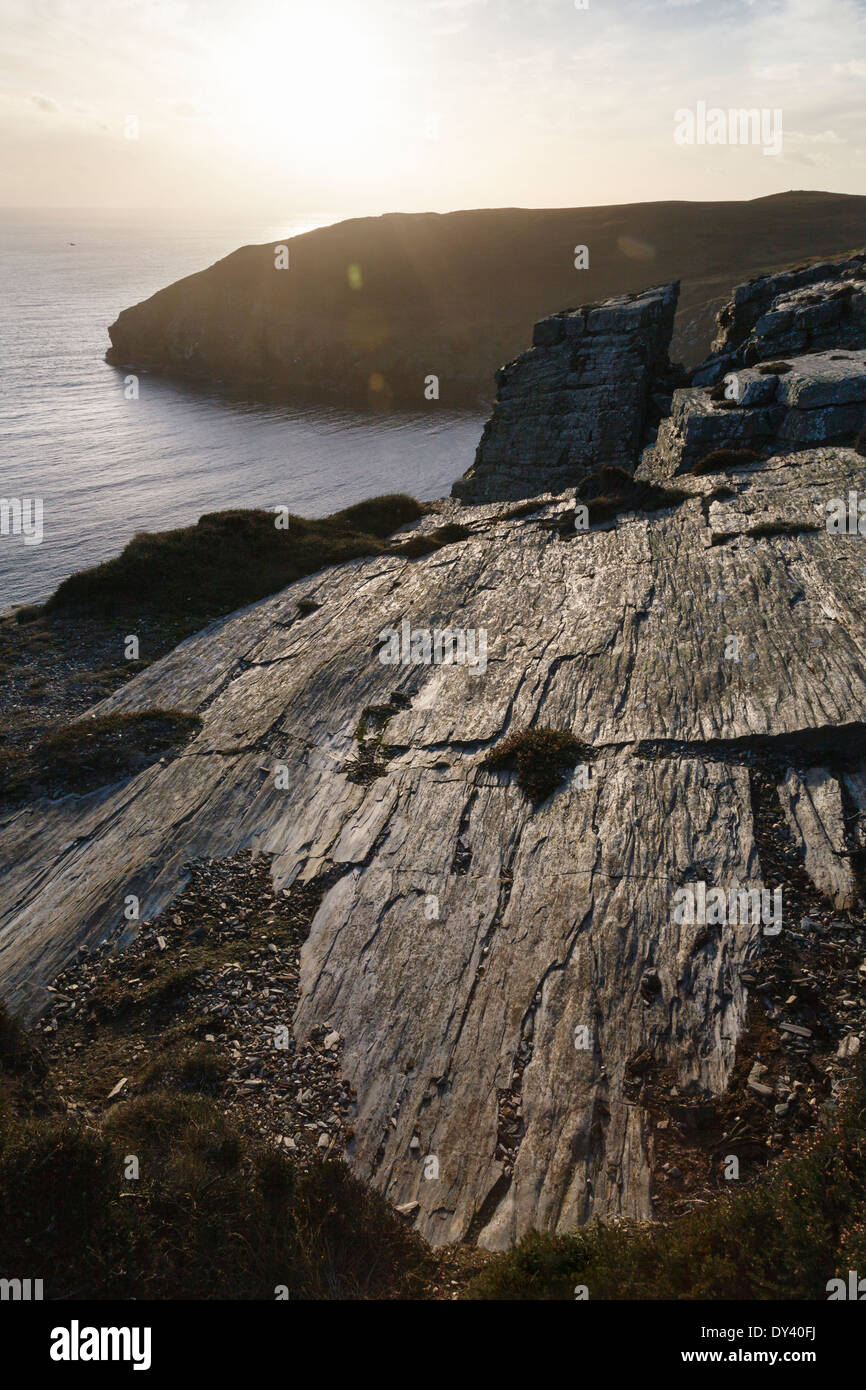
(368, 309)
(494, 959)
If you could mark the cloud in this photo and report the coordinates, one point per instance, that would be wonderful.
(790, 72)
(542, 104)
(822, 137)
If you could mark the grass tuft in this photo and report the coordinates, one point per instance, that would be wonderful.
(418, 546)
(610, 492)
(93, 752)
(542, 759)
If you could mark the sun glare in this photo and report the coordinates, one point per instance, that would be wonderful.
(315, 90)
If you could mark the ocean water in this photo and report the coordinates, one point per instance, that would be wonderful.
(106, 467)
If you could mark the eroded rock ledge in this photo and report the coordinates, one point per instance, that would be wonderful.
(805, 310)
(818, 398)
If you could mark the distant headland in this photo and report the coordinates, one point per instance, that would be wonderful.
(406, 307)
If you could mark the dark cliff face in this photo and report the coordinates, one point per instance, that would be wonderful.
(370, 308)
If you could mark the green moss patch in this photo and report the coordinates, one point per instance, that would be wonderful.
(380, 516)
(227, 560)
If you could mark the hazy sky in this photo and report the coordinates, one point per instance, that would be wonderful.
(372, 105)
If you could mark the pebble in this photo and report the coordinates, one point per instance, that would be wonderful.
(760, 1088)
(796, 1030)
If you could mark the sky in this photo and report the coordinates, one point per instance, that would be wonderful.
(371, 106)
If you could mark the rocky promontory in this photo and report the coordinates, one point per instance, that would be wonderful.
(367, 310)
(787, 371)
(587, 913)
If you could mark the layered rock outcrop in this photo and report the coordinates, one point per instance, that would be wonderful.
(584, 395)
(818, 398)
(787, 371)
(800, 311)
(504, 974)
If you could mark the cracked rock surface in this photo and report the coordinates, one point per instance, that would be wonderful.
(494, 968)
(816, 306)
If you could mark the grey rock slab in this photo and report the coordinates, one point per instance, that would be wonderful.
(818, 306)
(547, 917)
(812, 804)
(814, 399)
(581, 938)
(130, 840)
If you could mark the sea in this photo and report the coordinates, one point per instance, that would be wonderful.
(105, 467)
